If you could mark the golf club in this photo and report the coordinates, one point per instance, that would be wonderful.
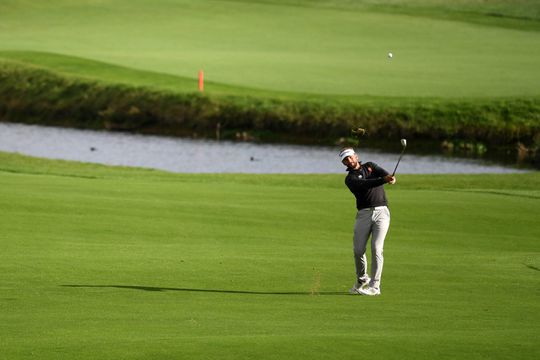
(404, 144)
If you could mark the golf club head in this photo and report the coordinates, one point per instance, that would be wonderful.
(404, 142)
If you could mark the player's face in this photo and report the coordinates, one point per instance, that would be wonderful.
(351, 161)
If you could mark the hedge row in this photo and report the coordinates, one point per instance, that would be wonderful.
(37, 96)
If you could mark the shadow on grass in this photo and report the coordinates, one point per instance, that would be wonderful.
(532, 267)
(160, 289)
(494, 192)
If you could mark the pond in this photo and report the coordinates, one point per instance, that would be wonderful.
(209, 156)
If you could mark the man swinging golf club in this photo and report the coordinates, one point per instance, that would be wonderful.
(366, 182)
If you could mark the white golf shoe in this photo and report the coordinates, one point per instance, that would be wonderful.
(369, 291)
(359, 284)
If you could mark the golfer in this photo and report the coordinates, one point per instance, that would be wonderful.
(366, 182)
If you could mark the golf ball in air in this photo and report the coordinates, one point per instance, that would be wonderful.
(390, 55)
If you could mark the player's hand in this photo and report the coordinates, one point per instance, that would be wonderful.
(389, 179)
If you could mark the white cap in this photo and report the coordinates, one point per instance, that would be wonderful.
(346, 152)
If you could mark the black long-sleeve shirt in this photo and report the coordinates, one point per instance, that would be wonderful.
(366, 183)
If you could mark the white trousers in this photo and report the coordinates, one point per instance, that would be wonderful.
(375, 222)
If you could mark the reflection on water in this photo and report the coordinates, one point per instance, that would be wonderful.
(204, 156)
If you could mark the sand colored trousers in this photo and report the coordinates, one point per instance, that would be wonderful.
(375, 222)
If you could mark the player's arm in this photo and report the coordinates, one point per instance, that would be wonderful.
(354, 183)
(380, 172)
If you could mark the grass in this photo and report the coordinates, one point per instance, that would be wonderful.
(518, 14)
(270, 45)
(89, 70)
(281, 70)
(104, 262)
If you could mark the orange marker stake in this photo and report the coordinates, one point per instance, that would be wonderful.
(201, 81)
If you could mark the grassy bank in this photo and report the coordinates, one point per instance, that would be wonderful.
(101, 262)
(35, 95)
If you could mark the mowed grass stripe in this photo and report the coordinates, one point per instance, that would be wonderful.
(140, 264)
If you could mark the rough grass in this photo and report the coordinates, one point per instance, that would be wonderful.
(109, 263)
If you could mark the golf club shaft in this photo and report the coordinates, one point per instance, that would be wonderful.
(400, 156)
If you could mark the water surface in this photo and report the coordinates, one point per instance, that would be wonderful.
(207, 156)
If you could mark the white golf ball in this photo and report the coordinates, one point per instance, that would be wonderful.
(390, 55)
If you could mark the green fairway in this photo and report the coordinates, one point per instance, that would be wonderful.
(117, 263)
(322, 47)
